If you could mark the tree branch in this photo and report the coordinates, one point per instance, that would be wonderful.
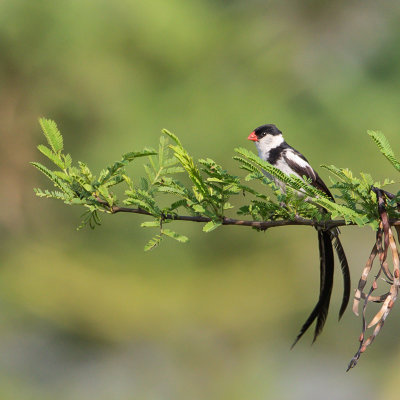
(263, 225)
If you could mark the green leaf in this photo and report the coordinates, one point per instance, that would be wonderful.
(144, 184)
(89, 218)
(55, 179)
(177, 204)
(43, 170)
(171, 190)
(136, 154)
(176, 236)
(106, 194)
(215, 180)
(210, 226)
(188, 164)
(380, 139)
(172, 136)
(336, 171)
(62, 175)
(374, 225)
(161, 147)
(152, 243)
(78, 201)
(198, 208)
(169, 162)
(53, 194)
(55, 158)
(150, 173)
(53, 135)
(150, 224)
(67, 161)
(88, 187)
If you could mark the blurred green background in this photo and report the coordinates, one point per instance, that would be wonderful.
(89, 315)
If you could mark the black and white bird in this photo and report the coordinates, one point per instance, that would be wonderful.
(272, 148)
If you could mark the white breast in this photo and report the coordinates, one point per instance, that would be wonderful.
(268, 143)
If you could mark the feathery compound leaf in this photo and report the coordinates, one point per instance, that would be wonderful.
(51, 194)
(43, 170)
(150, 224)
(118, 166)
(52, 134)
(340, 210)
(55, 158)
(103, 190)
(380, 139)
(172, 190)
(336, 171)
(67, 161)
(210, 226)
(172, 136)
(89, 218)
(188, 164)
(176, 236)
(177, 204)
(136, 154)
(170, 162)
(161, 147)
(152, 243)
(54, 178)
(246, 165)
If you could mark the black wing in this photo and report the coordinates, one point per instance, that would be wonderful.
(306, 171)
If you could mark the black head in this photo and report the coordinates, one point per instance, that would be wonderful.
(269, 129)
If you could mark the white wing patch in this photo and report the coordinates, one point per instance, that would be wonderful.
(308, 170)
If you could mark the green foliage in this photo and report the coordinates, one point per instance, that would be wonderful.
(211, 187)
(210, 226)
(53, 135)
(90, 218)
(152, 243)
(384, 147)
(174, 235)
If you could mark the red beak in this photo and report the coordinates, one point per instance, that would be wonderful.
(253, 137)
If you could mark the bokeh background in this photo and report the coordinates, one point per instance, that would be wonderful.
(88, 314)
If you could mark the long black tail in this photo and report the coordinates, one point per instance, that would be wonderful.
(344, 266)
(320, 310)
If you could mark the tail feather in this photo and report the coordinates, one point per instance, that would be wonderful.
(320, 310)
(327, 263)
(345, 272)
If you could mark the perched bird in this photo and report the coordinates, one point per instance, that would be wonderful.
(272, 148)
